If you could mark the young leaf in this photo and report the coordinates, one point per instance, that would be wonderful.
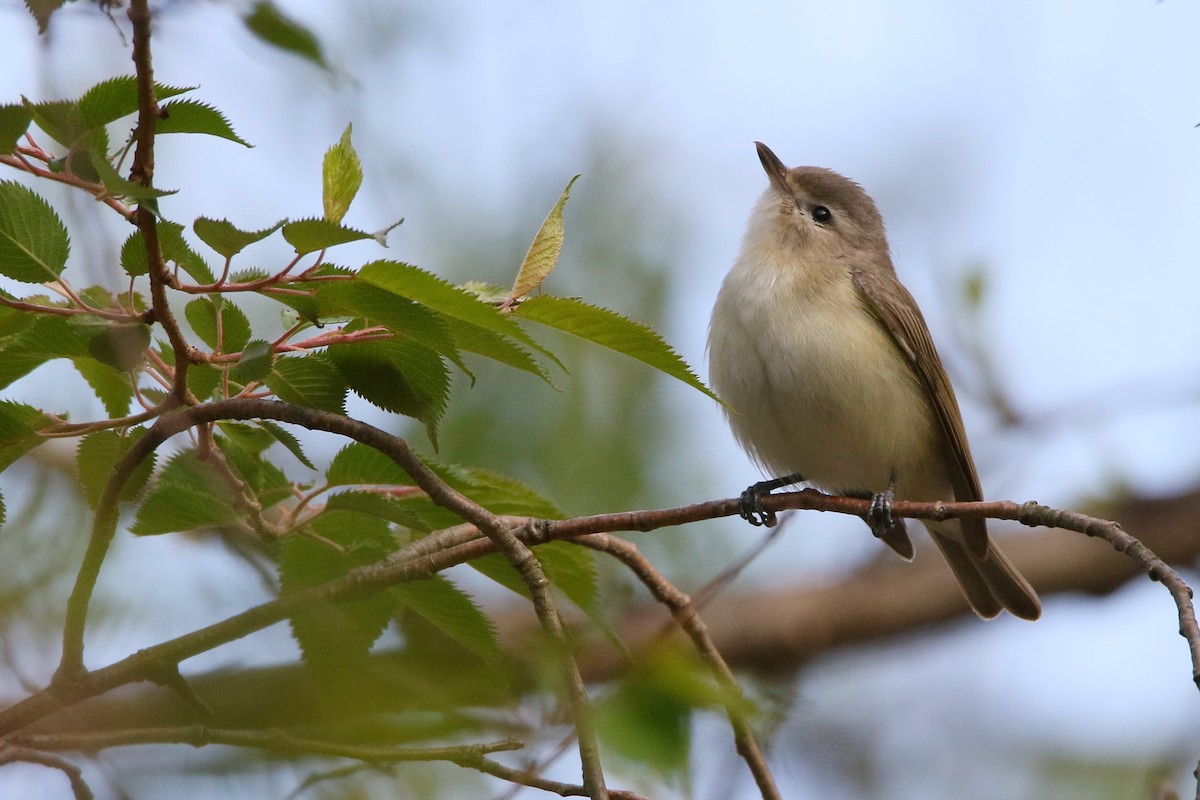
(33, 240)
(227, 239)
(272, 26)
(192, 116)
(311, 381)
(452, 611)
(311, 235)
(255, 363)
(543, 251)
(341, 175)
(610, 329)
(97, 455)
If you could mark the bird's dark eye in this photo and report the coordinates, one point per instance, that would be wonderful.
(822, 215)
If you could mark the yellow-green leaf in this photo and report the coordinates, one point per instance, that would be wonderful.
(341, 175)
(543, 253)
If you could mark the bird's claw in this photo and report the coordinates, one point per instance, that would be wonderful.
(752, 509)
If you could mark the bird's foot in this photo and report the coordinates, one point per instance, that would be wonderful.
(751, 500)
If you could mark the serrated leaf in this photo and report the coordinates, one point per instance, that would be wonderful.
(116, 184)
(341, 176)
(112, 386)
(424, 517)
(242, 445)
(133, 256)
(398, 376)
(14, 121)
(426, 288)
(311, 381)
(287, 439)
(121, 346)
(612, 330)
(203, 380)
(277, 29)
(42, 10)
(359, 465)
(61, 120)
(19, 426)
(544, 251)
(176, 250)
(497, 493)
(219, 323)
(490, 344)
(114, 98)
(96, 456)
(452, 611)
(189, 493)
(311, 235)
(255, 363)
(33, 240)
(226, 238)
(192, 116)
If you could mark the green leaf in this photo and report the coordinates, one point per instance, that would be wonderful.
(497, 493)
(648, 718)
(121, 346)
(33, 240)
(175, 249)
(311, 381)
(112, 386)
(96, 456)
(19, 426)
(242, 445)
(481, 341)
(275, 28)
(227, 239)
(114, 98)
(568, 566)
(192, 116)
(422, 516)
(543, 253)
(287, 439)
(45, 339)
(133, 256)
(61, 120)
(335, 638)
(398, 376)
(114, 183)
(203, 380)
(341, 176)
(359, 465)
(452, 611)
(219, 323)
(14, 121)
(189, 493)
(611, 330)
(426, 288)
(255, 363)
(311, 235)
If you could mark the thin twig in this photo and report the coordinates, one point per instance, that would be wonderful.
(10, 754)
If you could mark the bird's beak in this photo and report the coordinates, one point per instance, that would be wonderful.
(775, 169)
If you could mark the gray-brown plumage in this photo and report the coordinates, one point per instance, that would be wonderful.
(828, 368)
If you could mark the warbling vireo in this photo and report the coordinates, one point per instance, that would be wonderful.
(831, 378)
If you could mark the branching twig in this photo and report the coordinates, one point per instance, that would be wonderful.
(10, 754)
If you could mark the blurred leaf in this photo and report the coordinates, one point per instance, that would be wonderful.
(421, 516)
(112, 386)
(192, 116)
(453, 612)
(188, 494)
(19, 426)
(543, 253)
(335, 638)
(33, 240)
(175, 249)
(96, 456)
(272, 26)
(227, 239)
(571, 568)
(255, 363)
(311, 381)
(14, 121)
(311, 235)
(46, 338)
(610, 329)
(121, 346)
(341, 176)
(42, 10)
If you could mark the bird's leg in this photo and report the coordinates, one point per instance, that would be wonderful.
(884, 526)
(751, 505)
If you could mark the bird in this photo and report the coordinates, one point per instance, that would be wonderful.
(829, 376)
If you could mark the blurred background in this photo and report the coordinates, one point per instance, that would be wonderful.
(1037, 167)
